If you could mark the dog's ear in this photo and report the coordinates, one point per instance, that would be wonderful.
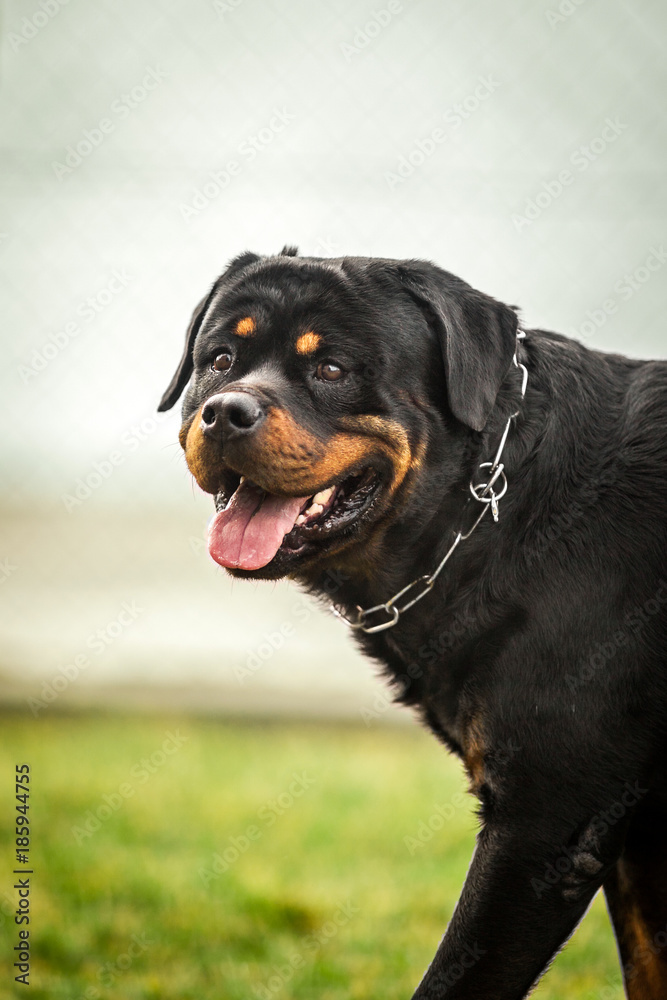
(185, 365)
(477, 336)
(184, 371)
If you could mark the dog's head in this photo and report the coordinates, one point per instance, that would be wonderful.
(330, 397)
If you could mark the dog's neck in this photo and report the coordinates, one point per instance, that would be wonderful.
(534, 473)
(372, 574)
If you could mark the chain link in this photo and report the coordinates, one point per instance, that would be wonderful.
(484, 493)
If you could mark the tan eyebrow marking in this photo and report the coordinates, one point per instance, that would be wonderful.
(308, 342)
(245, 327)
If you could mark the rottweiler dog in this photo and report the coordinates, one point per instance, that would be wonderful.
(486, 509)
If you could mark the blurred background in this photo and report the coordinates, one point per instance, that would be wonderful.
(520, 145)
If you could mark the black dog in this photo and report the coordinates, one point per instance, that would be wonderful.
(349, 416)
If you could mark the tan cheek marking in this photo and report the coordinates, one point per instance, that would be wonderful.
(245, 327)
(291, 460)
(308, 342)
(201, 455)
(286, 459)
(393, 440)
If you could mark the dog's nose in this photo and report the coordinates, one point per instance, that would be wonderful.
(231, 413)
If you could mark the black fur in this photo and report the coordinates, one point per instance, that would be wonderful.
(539, 656)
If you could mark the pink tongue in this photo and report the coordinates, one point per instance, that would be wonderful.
(249, 532)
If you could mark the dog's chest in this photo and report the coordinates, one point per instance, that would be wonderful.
(433, 674)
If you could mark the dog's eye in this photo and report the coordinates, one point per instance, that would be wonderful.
(222, 362)
(329, 371)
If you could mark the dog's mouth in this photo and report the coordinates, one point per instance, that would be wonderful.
(252, 527)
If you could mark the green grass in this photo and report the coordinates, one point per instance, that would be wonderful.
(327, 883)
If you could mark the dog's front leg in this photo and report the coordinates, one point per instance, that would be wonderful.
(525, 893)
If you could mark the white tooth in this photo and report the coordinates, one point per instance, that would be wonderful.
(314, 509)
(300, 519)
(241, 480)
(323, 496)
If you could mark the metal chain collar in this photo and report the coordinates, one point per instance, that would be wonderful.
(484, 493)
